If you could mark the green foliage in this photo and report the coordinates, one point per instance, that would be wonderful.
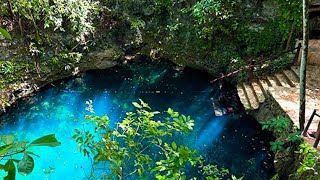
(26, 165)
(282, 127)
(310, 162)
(259, 39)
(208, 32)
(51, 30)
(54, 14)
(289, 15)
(212, 171)
(309, 166)
(279, 124)
(136, 23)
(12, 71)
(277, 145)
(215, 16)
(9, 147)
(275, 65)
(48, 140)
(295, 137)
(5, 34)
(275, 177)
(11, 169)
(140, 145)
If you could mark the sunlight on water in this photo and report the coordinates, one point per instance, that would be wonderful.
(234, 143)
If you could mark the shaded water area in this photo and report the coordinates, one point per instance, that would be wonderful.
(235, 142)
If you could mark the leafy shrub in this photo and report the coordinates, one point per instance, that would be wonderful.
(257, 40)
(140, 146)
(282, 127)
(12, 71)
(277, 145)
(9, 147)
(310, 163)
(279, 124)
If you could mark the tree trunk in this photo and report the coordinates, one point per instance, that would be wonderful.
(290, 37)
(302, 103)
(36, 61)
(11, 11)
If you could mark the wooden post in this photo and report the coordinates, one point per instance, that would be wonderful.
(296, 57)
(251, 76)
(315, 145)
(302, 102)
(309, 123)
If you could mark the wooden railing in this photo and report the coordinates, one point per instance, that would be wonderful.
(254, 64)
(305, 132)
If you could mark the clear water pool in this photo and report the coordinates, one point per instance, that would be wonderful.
(233, 142)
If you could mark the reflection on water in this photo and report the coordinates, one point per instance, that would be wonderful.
(234, 142)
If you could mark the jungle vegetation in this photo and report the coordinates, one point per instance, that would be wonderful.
(223, 35)
(144, 145)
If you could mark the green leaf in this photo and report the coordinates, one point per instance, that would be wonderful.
(26, 165)
(16, 160)
(5, 33)
(48, 140)
(172, 113)
(31, 153)
(7, 139)
(137, 105)
(6, 148)
(11, 169)
(277, 145)
(145, 105)
(174, 146)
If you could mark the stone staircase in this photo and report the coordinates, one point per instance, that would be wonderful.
(254, 93)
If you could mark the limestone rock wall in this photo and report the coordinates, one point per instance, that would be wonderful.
(100, 59)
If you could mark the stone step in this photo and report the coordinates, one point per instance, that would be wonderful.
(243, 96)
(292, 76)
(259, 92)
(284, 81)
(277, 80)
(252, 97)
(263, 86)
(296, 71)
(271, 81)
(312, 81)
(290, 82)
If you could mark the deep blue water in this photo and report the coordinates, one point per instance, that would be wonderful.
(234, 142)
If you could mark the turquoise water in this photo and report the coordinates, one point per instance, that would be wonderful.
(233, 142)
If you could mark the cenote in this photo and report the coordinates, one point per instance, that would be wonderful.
(235, 141)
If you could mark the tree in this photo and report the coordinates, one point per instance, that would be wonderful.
(41, 21)
(302, 102)
(290, 18)
(142, 145)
